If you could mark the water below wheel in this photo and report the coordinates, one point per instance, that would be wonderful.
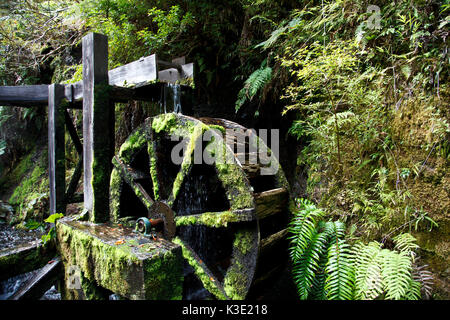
(228, 215)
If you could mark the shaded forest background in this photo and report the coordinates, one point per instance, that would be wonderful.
(361, 98)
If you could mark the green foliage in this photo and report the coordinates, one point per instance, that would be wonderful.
(32, 33)
(326, 266)
(254, 84)
(54, 217)
(33, 225)
(52, 232)
(134, 28)
(349, 85)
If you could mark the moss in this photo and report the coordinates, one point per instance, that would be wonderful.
(187, 160)
(210, 219)
(153, 172)
(100, 182)
(115, 186)
(133, 144)
(164, 122)
(200, 272)
(244, 241)
(234, 286)
(236, 184)
(237, 282)
(128, 269)
(165, 277)
(30, 197)
(217, 127)
(85, 251)
(91, 291)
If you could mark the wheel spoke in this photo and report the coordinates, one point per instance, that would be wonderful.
(186, 165)
(153, 167)
(216, 219)
(210, 282)
(129, 175)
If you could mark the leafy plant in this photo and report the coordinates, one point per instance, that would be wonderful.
(326, 266)
(253, 85)
(52, 232)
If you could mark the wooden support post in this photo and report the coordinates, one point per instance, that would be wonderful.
(56, 149)
(98, 127)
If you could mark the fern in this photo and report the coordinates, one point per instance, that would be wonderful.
(325, 266)
(406, 243)
(340, 275)
(396, 274)
(303, 227)
(368, 278)
(253, 85)
(425, 278)
(304, 271)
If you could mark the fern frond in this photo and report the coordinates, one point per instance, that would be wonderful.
(305, 268)
(340, 273)
(414, 290)
(425, 278)
(303, 227)
(396, 274)
(318, 291)
(255, 82)
(406, 243)
(333, 229)
(368, 277)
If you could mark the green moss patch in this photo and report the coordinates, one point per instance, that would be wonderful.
(207, 280)
(115, 260)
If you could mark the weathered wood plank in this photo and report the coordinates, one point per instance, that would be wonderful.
(24, 96)
(144, 69)
(98, 127)
(56, 148)
(74, 183)
(35, 288)
(73, 133)
(272, 241)
(24, 258)
(271, 202)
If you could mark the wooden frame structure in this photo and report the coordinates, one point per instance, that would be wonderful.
(95, 95)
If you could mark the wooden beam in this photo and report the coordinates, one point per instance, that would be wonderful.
(136, 73)
(35, 287)
(24, 96)
(56, 148)
(24, 257)
(73, 133)
(144, 69)
(73, 184)
(272, 241)
(98, 127)
(271, 202)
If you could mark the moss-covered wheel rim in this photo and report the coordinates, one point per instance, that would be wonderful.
(238, 223)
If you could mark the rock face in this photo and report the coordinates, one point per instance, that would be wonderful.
(107, 256)
(6, 211)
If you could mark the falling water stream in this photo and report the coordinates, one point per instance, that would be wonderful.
(171, 99)
(10, 238)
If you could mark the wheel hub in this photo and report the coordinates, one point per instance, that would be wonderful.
(160, 214)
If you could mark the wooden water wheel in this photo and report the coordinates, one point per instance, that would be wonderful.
(229, 218)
